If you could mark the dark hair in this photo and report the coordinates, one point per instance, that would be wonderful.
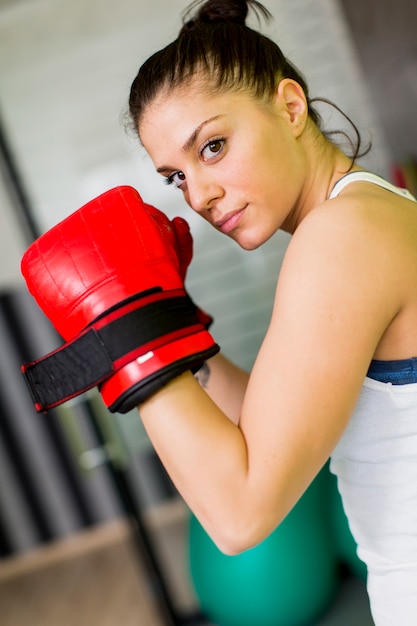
(217, 41)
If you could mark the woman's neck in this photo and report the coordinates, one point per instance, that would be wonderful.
(325, 165)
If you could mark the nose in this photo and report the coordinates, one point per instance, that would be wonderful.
(203, 192)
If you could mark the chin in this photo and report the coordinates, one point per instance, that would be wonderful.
(249, 246)
(248, 241)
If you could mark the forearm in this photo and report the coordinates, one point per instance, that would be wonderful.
(205, 454)
(225, 383)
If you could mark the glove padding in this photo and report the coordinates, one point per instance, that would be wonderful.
(110, 279)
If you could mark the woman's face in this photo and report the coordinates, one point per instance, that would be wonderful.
(236, 160)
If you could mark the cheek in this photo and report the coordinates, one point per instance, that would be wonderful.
(258, 165)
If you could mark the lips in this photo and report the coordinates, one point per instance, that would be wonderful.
(229, 221)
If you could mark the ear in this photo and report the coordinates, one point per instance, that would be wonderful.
(293, 104)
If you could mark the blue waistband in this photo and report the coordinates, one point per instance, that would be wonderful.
(402, 372)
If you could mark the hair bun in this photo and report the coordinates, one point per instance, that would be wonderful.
(211, 11)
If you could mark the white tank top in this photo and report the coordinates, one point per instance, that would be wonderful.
(368, 177)
(376, 465)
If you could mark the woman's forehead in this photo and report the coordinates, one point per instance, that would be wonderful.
(195, 98)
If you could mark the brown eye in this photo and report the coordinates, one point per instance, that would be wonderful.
(212, 149)
(177, 178)
(215, 146)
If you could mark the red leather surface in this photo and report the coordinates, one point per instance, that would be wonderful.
(108, 250)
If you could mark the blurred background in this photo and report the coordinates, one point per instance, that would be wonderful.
(80, 480)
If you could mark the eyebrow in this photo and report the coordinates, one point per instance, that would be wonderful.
(191, 140)
(193, 137)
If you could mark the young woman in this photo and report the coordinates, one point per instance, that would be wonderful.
(228, 120)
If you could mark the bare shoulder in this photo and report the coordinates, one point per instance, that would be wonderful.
(361, 249)
(367, 215)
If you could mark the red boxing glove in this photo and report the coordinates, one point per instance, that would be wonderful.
(110, 279)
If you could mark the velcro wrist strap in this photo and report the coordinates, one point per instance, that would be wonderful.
(120, 335)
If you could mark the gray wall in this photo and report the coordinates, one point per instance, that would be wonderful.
(12, 240)
(384, 33)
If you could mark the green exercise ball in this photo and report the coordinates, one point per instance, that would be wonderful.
(290, 579)
(345, 545)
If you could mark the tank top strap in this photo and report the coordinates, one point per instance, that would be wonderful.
(368, 177)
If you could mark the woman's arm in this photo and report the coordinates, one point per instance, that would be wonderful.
(225, 383)
(336, 295)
